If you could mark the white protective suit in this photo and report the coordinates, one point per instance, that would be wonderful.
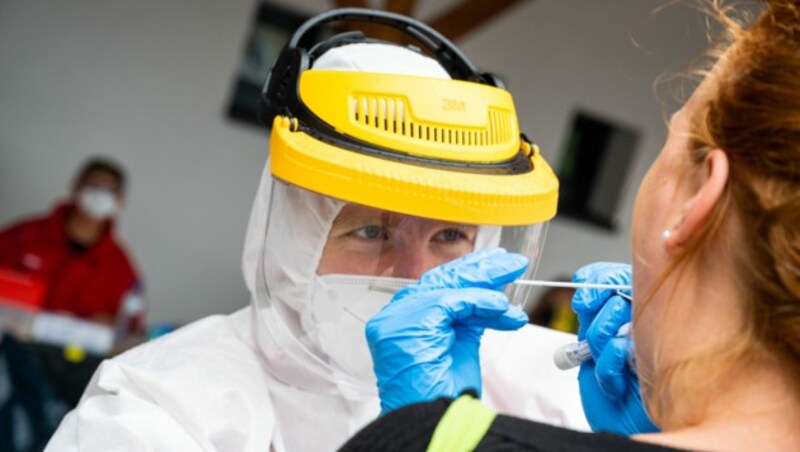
(224, 383)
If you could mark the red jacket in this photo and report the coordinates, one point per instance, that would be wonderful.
(84, 283)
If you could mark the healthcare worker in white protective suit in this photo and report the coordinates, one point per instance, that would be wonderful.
(382, 167)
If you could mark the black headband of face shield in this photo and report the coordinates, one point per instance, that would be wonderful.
(279, 93)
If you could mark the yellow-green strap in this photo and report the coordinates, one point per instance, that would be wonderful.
(462, 427)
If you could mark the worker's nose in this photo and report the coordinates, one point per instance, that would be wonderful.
(411, 261)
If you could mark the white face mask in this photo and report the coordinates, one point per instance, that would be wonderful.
(97, 203)
(338, 317)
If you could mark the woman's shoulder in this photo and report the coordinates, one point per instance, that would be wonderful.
(513, 433)
(415, 427)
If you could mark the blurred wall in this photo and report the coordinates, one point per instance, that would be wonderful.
(147, 82)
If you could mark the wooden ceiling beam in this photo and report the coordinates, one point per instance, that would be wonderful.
(458, 21)
(405, 7)
(469, 15)
(350, 3)
(396, 6)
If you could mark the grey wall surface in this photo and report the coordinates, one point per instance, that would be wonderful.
(147, 82)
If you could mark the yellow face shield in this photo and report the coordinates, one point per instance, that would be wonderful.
(444, 149)
(375, 178)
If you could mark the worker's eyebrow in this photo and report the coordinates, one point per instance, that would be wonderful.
(353, 215)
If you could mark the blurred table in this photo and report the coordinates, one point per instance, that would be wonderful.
(46, 361)
(66, 350)
(68, 377)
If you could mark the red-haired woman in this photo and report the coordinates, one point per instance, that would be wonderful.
(716, 272)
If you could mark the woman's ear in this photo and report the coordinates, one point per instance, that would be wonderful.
(697, 210)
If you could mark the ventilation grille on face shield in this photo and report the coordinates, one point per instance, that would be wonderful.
(390, 115)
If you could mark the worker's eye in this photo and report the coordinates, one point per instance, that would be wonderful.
(370, 232)
(456, 234)
(452, 240)
(451, 235)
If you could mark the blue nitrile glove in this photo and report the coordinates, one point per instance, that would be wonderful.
(425, 343)
(609, 388)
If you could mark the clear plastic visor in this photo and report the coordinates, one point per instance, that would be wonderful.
(328, 265)
(378, 242)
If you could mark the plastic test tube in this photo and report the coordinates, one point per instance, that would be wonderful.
(572, 355)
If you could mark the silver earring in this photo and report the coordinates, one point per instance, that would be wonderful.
(666, 234)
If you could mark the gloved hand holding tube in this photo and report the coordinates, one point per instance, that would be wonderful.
(609, 388)
(425, 342)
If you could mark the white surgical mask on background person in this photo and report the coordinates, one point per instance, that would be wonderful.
(97, 203)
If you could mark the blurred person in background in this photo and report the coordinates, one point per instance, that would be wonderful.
(74, 253)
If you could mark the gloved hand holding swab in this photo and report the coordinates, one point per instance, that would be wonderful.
(565, 357)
